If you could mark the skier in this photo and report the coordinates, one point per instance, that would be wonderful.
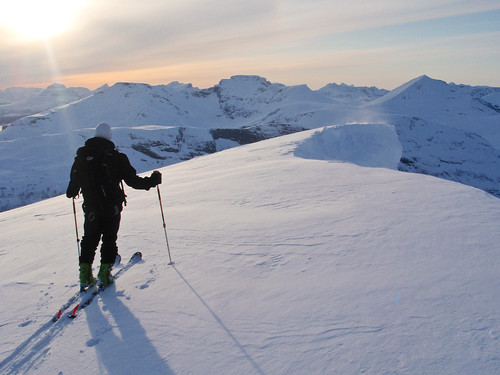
(98, 170)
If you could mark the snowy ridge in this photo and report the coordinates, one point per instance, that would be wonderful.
(456, 135)
(415, 85)
(15, 94)
(19, 102)
(352, 94)
(283, 265)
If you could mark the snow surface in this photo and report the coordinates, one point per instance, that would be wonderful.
(284, 264)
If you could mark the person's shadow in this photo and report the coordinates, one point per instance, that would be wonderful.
(136, 352)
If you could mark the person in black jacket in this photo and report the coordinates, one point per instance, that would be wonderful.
(98, 171)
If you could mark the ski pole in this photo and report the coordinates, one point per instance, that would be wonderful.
(76, 229)
(164, 225)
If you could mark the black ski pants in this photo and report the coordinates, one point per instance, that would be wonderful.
(99, 225)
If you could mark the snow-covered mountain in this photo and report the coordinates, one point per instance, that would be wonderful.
(447, 130)
(350, 94)
(15, 94)
(17, 102)
(303, 254)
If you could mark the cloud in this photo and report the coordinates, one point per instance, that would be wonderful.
(128, 36)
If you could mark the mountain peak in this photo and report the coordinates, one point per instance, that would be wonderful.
(56, 86)
(423, 77)
(102, 88)
(420, 84)
(131, 84)
(249, 78)
(244, 80)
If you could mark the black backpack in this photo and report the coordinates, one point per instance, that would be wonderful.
(98, 174)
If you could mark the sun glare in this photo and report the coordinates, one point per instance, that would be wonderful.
(35, 19)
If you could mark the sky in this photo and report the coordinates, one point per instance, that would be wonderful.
(382, 43)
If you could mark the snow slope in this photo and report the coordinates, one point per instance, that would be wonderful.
(284, 264)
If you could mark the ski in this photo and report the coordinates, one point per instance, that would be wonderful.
(91, 293)
(70, 301)
(75, 296)
(84, 297)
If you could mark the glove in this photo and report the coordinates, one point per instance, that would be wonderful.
(155, 178)
(72, 195)
(73, 190)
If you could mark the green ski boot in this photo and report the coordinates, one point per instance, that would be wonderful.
(104, 276)
(86, 278)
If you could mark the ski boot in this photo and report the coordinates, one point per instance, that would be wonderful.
(104, 276)
(86, 278)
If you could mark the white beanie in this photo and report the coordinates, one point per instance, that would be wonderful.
(103, 130)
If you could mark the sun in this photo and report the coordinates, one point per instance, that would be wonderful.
(39, 19)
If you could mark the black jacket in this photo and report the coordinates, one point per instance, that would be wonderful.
(121, 170)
